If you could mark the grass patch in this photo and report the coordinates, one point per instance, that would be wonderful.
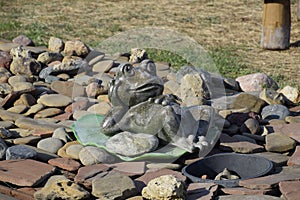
(37, 32)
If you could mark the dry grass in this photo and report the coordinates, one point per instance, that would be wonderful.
(227, 24)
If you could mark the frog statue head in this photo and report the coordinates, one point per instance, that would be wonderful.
(133, 85)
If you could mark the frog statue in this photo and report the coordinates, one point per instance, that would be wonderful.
(138, 106)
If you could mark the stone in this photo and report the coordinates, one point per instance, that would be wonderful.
(25, 99)
(16, 79)
(94, 57)
(25, 66)
(248, 197)
(30, 140)
(289, 173)
(290, 189)
(193, 90)
(245, 191)
(198, 191)
(295, 158)
(62, 134)
(6, 125)
(50, 144)
(242, 147)
(48, 57)
(3, 148)
(10, 172)
(5, 89)
(37, 125)
(275, 112)
(162, 69)
(68, 88)
(18, 109)
(5, 59)
(90, 155)
(291, 93)
(74, 150)
(165, 187)
(65, 163)
(171, 87)
(278, 159)
(55, 44)
(94, 89)
(132, 144)
(23, 40)
(20, 152)
(100, 108)
(113, 186)
(59, 187)
(163, 166)
(256, 82)
(137, 55)
(129, 168)
(75, 48)
(34, 109)
(103, 66)
(9, 116)
(77, 105)
(4, 74)
(277, 142)
(7, 46)
(292, 130)
(80, 113)
(54, 100)
(250, 126)
(48, 112)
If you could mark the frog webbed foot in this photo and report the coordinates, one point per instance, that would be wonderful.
(165, 100)
(188, 143)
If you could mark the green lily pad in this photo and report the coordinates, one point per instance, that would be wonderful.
(87, 132)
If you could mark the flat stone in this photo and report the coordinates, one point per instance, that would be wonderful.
(275, 112)
(247, 197)
(74, 150)
(23, 86)
(277, 142)
(100, 108)
(295, 158)
(242, 147)
(77, 105)
(62, 134)
(287, 174)
(292, 130)
(55, 100)
(291, 93)
(18, 109)
(55, 44)
(59, 187)
(172, 166)
(90, 155)
(103, 66)
(50, 144)
(290, 189)
(65, 163)
(42, 155)
(250, 126)
(62, 151)
(201, 191)
(20, 152)
(68, 88)
(113, 186)
(30, 140)
(38, 125)
(4, 73)
(129, 168)
(10, 172)
(278, 159)
(6, 124)
(25, 99)
(63, 117)
(9, 116)
(129, 144)
(256, 82)
(23, 40)
(5, 59)
(48, 112)
(34, 109)
(244, 191)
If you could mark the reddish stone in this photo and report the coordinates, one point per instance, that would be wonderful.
(65, 163)
(295, 158)
(245, 191)
(129, 168)
(295, 109)
(24, 193)
(5, 59)
(290, 189)
(24, 172)
(63, 117)
(242, 147)
(89, 171)
(78, 105)
(292, 130)
(142, 181)
(9, 100)
(201, 191)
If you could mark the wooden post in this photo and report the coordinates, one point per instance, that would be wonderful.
(298, 10)
(276, 24)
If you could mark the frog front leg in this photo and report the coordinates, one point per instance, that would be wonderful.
(110, 124)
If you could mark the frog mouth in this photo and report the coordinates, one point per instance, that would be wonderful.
(148, 87)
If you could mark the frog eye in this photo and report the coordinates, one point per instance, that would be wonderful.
(127, 70)
(149, 66)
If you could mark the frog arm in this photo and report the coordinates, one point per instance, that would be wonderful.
(109, 125)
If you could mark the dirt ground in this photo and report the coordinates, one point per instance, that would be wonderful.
(228, 24)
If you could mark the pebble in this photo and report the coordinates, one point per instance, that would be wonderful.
(55, 44)
(54, 100)
(50, 144)
(74, 150)
(65, 163)
(62, 134)
(277, 142)
(20, 152)
(23, 40)
(90, 155)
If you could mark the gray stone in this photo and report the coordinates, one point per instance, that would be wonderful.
(275, 112)
(247, 197)
(90, 155)
(55, 44)
(23, 40)
(5, 89)
(50, 144)
(74, 150)
(59, 187)
(165, 187)
(50, 79)
(113, 186)
(250, 126)
(55, 100)
(4, 74)
(256, 82)
(129, 144)
(20, 152)
(278, 159)
(62, 134)
(277, 142)
(37, 125)
(3, 148)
